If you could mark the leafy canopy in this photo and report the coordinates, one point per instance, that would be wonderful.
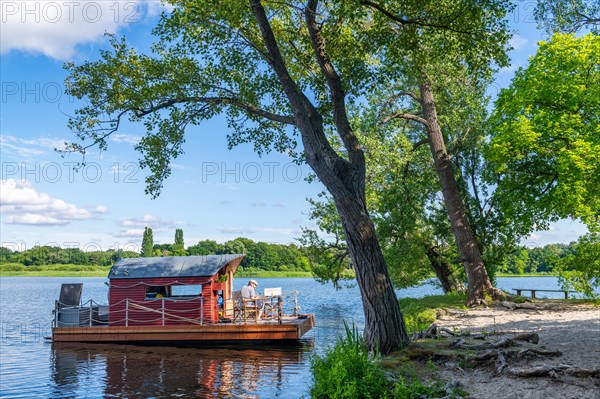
(545, 140)
(210, 59)
(568, 16)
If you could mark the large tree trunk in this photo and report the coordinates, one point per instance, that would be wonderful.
(345, 180)
(385, 330)
(479, 283)
(443, 271)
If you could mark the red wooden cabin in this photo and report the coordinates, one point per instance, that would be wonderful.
(177, 290)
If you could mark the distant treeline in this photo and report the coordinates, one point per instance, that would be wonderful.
(536, 260)
(259, 255)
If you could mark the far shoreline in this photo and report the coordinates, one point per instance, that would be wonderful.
(102, 271)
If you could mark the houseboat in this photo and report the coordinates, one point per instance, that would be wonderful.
(177, 300)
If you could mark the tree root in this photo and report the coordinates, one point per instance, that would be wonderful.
(530, 352)
(497, 294)
(554, 371)
(527, 337)
(499, 357)
(473, 302)
(488, 355)
(530, 306)
(504, 342)
(433, 332)
(494, 293)
(497, 353)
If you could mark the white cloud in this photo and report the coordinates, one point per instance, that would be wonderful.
(125, 138)
(278, 205)
(279, 230)
(271, 230)
(20, 203)
(23, 152)
(147, 220)
(55, 28)
(233, 230)
(258, 204)
(562, 231)
(154, 8)
(130, 233)
(518, 42)
(27, 148)
(101, 209)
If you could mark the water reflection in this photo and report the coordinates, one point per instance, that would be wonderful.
(123, 371)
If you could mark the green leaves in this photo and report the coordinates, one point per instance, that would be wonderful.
(545, 142)
(580, 270)
(147, 243)
(568, 16)
(434, 39)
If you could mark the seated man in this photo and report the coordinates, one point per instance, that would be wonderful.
(249, 292)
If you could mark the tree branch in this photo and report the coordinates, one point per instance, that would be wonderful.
(419, 143)
(319, 152)
(288, 84)
(403, 115)
(413, 21)
(401, 94)
(250, 108)
(334, 82)
(115, 122)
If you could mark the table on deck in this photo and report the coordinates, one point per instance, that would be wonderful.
(271, 307)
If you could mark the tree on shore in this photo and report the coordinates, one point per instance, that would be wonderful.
(401, 188)
(255, 64)
(179, 238)
(545, 146)
(147, 243)
(422, 74)
(178, 245)
(545, 141)
(281, 72)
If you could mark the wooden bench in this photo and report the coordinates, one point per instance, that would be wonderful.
(534, 290)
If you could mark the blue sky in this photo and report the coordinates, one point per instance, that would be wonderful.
(213, 192)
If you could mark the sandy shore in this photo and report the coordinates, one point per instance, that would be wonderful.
(573, 330)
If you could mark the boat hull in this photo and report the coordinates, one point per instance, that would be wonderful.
(289, 330)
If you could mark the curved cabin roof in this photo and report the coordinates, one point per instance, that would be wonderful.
(174, 266)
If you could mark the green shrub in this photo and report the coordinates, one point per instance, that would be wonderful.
(12, 267)
(347, 370)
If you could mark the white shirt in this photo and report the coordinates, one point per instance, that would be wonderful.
(248, 291)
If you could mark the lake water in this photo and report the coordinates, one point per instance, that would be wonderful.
(30, 367)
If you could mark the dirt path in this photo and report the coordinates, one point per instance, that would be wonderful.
(573, 330)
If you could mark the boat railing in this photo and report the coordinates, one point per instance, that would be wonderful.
(91, 313)
(137, 312)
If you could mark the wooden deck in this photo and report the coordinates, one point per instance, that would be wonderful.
(291, 329)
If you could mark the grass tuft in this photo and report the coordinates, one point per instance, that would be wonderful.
(419, 313)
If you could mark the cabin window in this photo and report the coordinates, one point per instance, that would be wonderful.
(187, 290)
(156, 292)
